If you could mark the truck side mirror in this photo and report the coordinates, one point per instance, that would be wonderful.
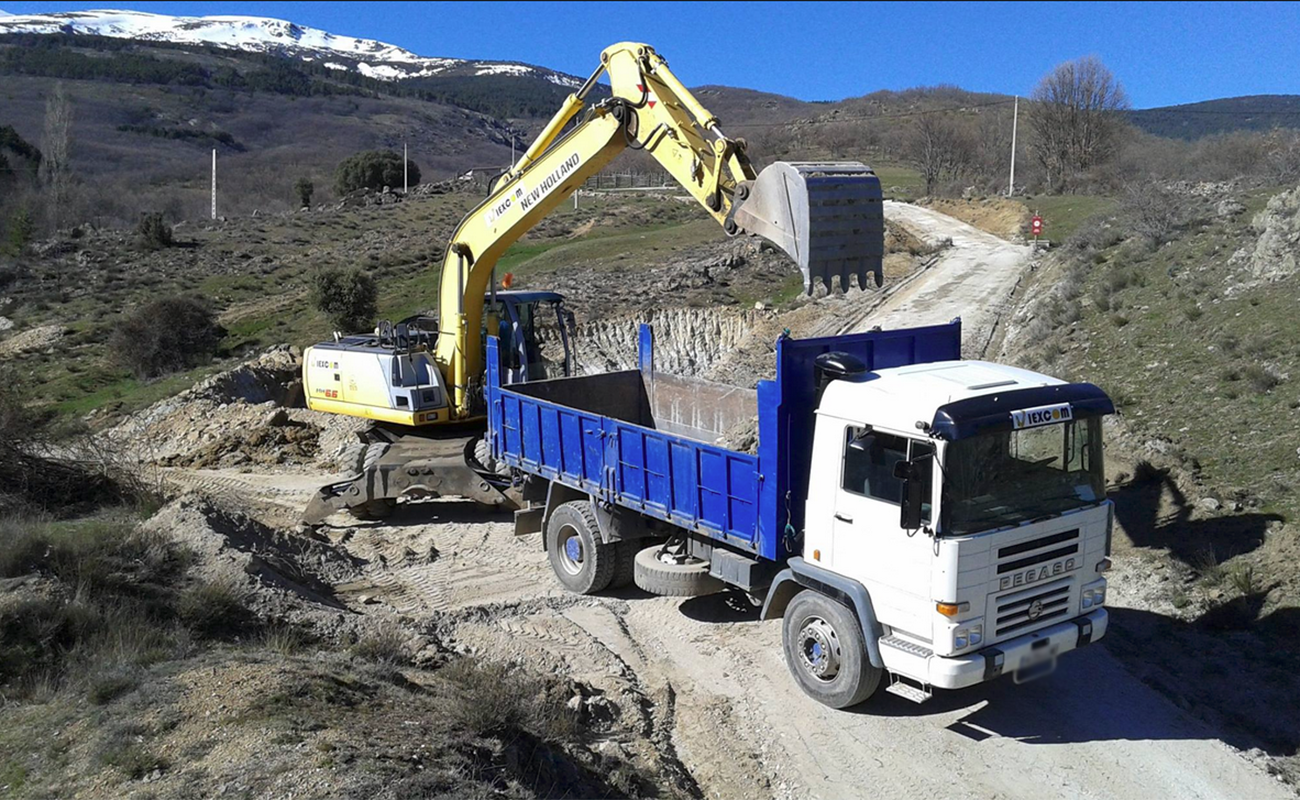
(910, 507)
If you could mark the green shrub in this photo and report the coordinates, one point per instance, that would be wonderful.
(1206, 563)
(1242, 578)
(304, 189)
(214, 609)
(114, 613)
(373, 169)
(387, 645)
(1261, 379)
(494, 699)
(122, 747)
(167, 335)
(154, 232)
(21, 227)
(347, 296)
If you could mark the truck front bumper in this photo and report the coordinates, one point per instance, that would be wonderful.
(1007, 657)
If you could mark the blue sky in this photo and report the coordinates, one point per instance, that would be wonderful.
(1164, 53)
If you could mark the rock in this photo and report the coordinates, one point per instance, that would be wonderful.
(1229, 207)
(1276, 254)
(277, 418)
(1210, 504)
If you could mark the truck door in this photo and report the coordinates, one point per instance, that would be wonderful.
(868, 543)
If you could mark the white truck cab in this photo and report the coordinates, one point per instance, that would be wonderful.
(978, 525)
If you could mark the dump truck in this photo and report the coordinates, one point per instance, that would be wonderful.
(907, 514)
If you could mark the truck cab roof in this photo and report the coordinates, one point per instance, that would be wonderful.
(897, 398)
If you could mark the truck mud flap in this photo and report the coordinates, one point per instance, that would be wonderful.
(827, 216)
(437, 467)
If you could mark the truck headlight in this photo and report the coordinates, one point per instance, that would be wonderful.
(1093, 597)
(967, 636)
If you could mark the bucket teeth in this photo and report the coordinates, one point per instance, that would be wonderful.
(828, 217)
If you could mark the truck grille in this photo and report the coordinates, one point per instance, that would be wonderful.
(1052, 601)
(1067, 539)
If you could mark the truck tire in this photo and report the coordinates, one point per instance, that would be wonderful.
(825, 651)
(625, 562)
(582, 562)
(670, 579)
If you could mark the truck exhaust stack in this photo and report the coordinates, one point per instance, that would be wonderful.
(827, 216)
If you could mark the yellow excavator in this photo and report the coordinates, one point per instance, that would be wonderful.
(422, 382)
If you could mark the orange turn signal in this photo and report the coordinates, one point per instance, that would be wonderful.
(817, 555)
(951, 609)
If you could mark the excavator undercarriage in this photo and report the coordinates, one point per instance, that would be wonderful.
(434, 462)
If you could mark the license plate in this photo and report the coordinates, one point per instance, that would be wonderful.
(1034, 671)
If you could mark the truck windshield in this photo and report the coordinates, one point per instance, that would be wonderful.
(1006, 477)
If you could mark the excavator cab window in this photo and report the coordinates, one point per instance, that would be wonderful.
(535, 336)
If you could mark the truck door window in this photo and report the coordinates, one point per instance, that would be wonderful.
(869, 460)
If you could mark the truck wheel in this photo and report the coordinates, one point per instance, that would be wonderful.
(667, 577)
(625, 562)
(582, 562)
(825, 651)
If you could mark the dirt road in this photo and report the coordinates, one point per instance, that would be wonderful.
(973, 279)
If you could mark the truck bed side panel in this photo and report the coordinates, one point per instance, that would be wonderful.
(699, 486)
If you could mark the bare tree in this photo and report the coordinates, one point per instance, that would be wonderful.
(939, 149)
(55, 169)
(1075, 118)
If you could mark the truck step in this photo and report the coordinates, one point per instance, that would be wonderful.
(907, 691)
(913, 648)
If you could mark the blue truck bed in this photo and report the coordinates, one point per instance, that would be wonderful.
(649, 442)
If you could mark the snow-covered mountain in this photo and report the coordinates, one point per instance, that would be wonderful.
(265, 35)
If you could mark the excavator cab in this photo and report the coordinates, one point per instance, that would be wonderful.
(535, 332)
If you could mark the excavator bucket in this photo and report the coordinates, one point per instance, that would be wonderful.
(828, 217)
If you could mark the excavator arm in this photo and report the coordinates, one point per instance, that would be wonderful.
(827, 217)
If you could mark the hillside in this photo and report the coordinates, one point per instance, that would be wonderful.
(1259, 112)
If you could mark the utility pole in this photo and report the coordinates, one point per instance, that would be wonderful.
(406, 183)
(1015, 118)
(214, 183)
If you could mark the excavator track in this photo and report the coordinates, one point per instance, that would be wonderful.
(437, 463)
